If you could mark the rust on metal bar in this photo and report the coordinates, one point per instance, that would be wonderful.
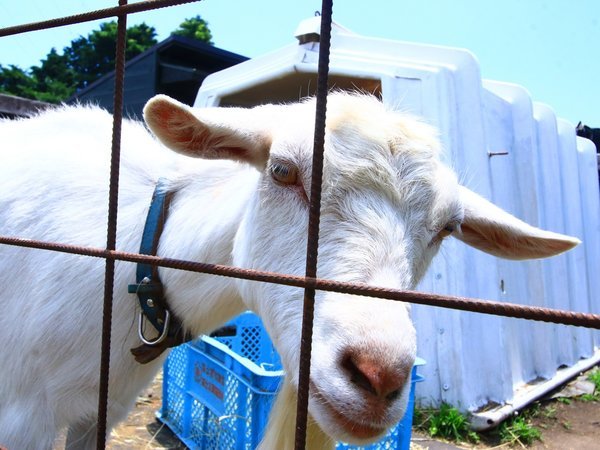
(111, 233)
(310, 283)
(92, 15)
(558, 316)
(312, 247)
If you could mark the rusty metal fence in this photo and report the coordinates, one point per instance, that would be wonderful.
(310, 282)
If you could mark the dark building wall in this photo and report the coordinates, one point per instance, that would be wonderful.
(175, 67)
(139, 87)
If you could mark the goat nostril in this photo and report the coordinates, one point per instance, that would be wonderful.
(393, 395)
(374, 377)
(357, 377)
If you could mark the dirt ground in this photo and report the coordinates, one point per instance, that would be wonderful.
(142, 430)
(564, 426)
(575, 426)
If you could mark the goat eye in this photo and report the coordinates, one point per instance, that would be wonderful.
(284, 173)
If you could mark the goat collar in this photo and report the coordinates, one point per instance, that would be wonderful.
(149, 289)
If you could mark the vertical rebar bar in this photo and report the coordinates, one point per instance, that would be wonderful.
(313, 224)
(111, 235)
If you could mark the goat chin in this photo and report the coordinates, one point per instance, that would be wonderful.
(281, 429)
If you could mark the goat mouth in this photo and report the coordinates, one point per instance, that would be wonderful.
(351, 428)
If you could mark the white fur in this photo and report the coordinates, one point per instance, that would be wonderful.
(386, 198)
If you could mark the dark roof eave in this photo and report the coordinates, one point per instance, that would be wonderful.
(199, 46)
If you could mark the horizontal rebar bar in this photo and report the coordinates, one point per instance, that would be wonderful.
(588, 320)
(92, 15)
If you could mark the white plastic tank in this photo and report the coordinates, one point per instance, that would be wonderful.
(507, 148)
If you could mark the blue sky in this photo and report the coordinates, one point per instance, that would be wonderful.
(548, 46)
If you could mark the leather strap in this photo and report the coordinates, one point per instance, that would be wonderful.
(148, 286)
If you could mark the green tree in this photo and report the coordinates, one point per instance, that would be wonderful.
(195, 28)
(94, 56)
(15, 81)
(87, 59)
(54, 79)
(83, 62)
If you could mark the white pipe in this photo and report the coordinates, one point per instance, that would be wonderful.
(489, 419)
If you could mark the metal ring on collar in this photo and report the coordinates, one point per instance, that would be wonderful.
(160, 338)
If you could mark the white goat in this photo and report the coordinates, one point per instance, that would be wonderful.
(388, 202)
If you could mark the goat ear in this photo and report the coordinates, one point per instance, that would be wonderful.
(493, 230)
(211, 133)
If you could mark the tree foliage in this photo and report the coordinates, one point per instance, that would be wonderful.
(93, 56)
(195, 28)
(15, 81)
(85, 60)
(54, 78)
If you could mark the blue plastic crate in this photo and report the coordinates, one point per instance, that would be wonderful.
(218, 391)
